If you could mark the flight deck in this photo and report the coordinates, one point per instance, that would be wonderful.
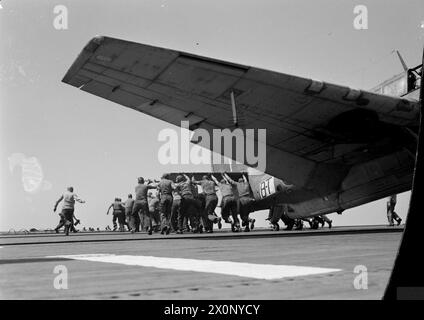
(261, 264)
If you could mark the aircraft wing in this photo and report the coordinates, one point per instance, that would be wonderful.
(320, 136)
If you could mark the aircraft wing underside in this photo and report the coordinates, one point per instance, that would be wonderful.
(326, 139)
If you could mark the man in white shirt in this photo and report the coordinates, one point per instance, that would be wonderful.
(67, 214)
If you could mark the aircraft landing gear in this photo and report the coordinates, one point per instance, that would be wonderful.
(314, 224)
(289, 227)
(298, 225)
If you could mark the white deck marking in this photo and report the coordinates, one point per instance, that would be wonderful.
(241, 269)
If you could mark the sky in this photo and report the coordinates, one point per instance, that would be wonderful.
(100, 147)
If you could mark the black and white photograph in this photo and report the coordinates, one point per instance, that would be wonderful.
(229, 152)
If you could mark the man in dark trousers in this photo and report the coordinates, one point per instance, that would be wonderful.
(189, 205)
(276, 212)
(391, 214)
(196, 214)
(141, 207)
(165, 187)
(118, 214)
(67, 214)
(245, 201)
(210, 200)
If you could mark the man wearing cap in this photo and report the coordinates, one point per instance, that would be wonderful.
(165, 188)
(141, 207)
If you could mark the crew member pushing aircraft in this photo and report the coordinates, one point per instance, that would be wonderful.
(245, 201)
(211, 200)
(141, 209)
(229, 203)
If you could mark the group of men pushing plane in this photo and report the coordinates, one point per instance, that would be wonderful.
(182, 208)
